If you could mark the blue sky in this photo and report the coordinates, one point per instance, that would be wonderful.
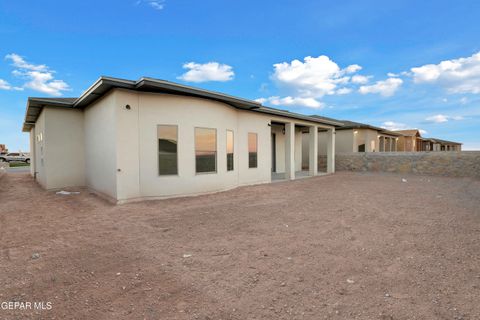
(378, 62)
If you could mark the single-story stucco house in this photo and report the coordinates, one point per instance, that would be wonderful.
(356, 137)
(412, 141)
(360, 137)
(409, 141)
(131, 140)
(434, 144)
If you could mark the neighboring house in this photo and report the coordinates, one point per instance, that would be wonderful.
(359, 137)
(131, 140)
(412, 141)
(409, 141)
(434, 144)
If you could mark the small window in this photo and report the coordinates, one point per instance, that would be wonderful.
(252, 150)
(205, 150)
(229, 150)
(167, 150)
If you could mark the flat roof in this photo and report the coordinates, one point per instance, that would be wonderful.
(145, 84)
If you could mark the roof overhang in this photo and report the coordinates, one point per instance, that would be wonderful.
(35, 106)
(104, 84)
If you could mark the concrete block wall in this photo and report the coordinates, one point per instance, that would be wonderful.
(453, 164)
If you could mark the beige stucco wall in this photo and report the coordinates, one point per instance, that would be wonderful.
(100, 146)
(40, 148)
(365, 136)
(114, 150)
(279, 147)
(32, 151)
(65, 153)
(298, 149)
(322, 146)
(187, 113)
(344, 141)
(58, 147)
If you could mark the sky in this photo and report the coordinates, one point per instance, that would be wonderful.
(395, 64)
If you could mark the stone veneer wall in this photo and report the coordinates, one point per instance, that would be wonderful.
(453, 164)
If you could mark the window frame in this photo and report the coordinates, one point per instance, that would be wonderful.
(195, 151)
(256, 149)
(158, 152)
(233, 150)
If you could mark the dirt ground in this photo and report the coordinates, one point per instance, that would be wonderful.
(344, 246)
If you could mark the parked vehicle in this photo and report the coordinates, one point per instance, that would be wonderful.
(15, 157)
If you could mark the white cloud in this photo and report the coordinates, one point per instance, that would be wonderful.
(353, 68)
(464, 100)
(261, 100)
(4, 85)
(457, 75)
(440, 118)
(385, 88)
(211, 71)
(19, 62)
(292, 101)
(314, 77)
(155, 4)
(343, 91)
(359, 79)
(394, 126)
(39, 77)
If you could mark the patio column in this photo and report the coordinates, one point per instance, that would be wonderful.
(290, 151)
(331, 150)
(313, 151)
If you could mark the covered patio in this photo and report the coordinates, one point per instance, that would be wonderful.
(293, 158)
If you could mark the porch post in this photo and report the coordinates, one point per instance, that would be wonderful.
(331, 150)
(313, 150)
(290, 151)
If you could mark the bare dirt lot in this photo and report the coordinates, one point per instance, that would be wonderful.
(345, 246)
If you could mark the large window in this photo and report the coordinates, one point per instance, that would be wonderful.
(205, 150)
(229, 150)
(252, 150)
(167, 150)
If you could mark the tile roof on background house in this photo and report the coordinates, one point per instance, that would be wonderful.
(409, 132)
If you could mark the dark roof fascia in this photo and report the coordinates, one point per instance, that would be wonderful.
(152, 85)
(338, 123)
(358, 125)
(35, 106)
(105, 84)
(100, 88)
(298, 116)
